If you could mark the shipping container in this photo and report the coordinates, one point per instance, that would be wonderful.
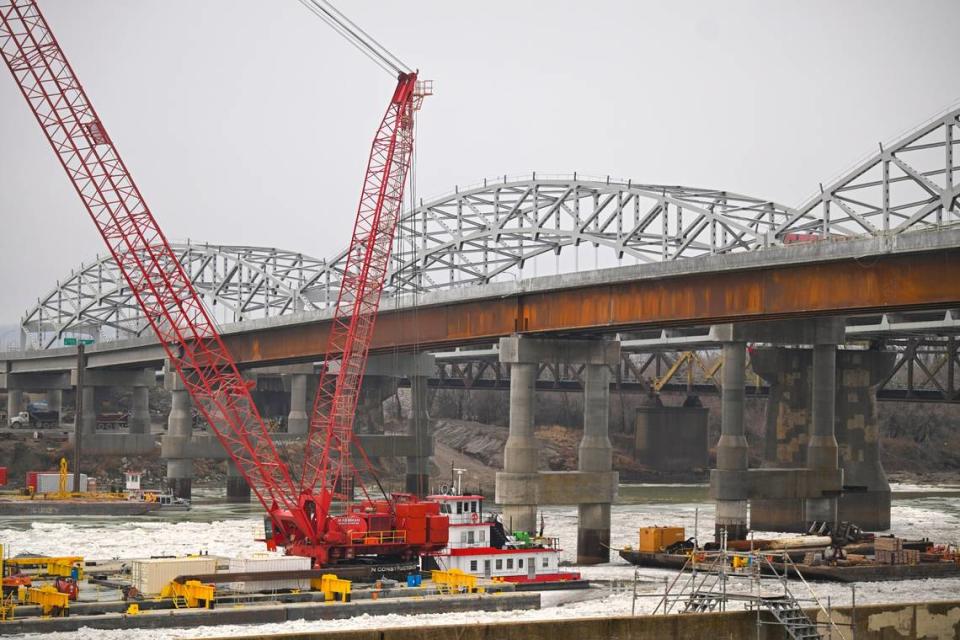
(151, 576)
(264, 561)
(49, 481)
(656, 539)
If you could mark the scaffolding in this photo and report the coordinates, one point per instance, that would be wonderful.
(706, 584)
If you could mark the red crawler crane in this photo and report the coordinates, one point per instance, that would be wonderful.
(299, 515)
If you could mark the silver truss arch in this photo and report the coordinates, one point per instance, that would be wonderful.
(911, 183)
(507, 227)
(236, 283)
(514, 227)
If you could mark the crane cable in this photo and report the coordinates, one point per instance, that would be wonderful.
(352, 33)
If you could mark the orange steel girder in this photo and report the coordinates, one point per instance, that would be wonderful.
(879, 283)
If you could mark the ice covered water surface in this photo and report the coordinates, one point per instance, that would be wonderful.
(221, 533)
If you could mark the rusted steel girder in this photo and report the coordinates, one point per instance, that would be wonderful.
(887, 282)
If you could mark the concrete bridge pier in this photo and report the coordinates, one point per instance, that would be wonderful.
(732, 446)
(516, 484)
(298, 420)
(822, 450)
(866, 498)
(418, 465)
(55, 402)
(595, 455)
(416, 445)
(237, 488)
(521, 488)
(139, 420)
(87, 419)
(180, 431)
(14, 402)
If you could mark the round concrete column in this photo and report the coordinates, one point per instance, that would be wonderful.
(520, 455)
(822, 451)
(732, 446)
(237, 488)
(55, 403)
(139, 421)
(418, 467)
(88, 419)
(297, 419)
(859, 373)
(14, 402)
(180, 423)
(595, 454)
(593, 533)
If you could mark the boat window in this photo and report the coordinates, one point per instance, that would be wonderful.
(546, 561)
(470, 539)
(473, 565)
(459, 507)
(520, 563)
(483, 535)
(444, 507)
(463, 536)
(473, 506)
(509, 563)
(499, 564)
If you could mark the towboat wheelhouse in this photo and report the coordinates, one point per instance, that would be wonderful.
(482, 547)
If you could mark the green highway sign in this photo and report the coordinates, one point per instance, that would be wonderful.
(72, 342)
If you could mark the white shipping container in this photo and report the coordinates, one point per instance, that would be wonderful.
(50, 482)
(151, 576)
(265, 561)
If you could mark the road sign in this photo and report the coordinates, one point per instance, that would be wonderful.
(72, 342)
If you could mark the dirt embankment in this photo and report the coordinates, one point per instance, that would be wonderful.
(23, 455)
(479, 448)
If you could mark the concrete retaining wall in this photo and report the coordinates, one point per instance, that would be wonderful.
(901, 621)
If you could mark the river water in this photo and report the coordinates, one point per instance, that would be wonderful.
(229, 529)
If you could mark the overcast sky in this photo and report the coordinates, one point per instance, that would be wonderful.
(249, 121)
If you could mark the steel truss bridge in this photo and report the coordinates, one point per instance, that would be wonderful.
(514, 227)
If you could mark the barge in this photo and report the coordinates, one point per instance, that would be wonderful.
(878, 560)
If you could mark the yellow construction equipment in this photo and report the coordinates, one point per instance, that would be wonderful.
(62, 493)
(133, 609)
(333, 588)
(8, 607)
(64, 566)
(454, 580)
(51, 601)
(193, 593)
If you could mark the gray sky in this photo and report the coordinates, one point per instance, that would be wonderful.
(249, 122)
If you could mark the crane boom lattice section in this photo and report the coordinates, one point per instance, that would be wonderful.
(364, 274)
(134, 239)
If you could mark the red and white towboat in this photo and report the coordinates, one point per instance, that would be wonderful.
(482, 547)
